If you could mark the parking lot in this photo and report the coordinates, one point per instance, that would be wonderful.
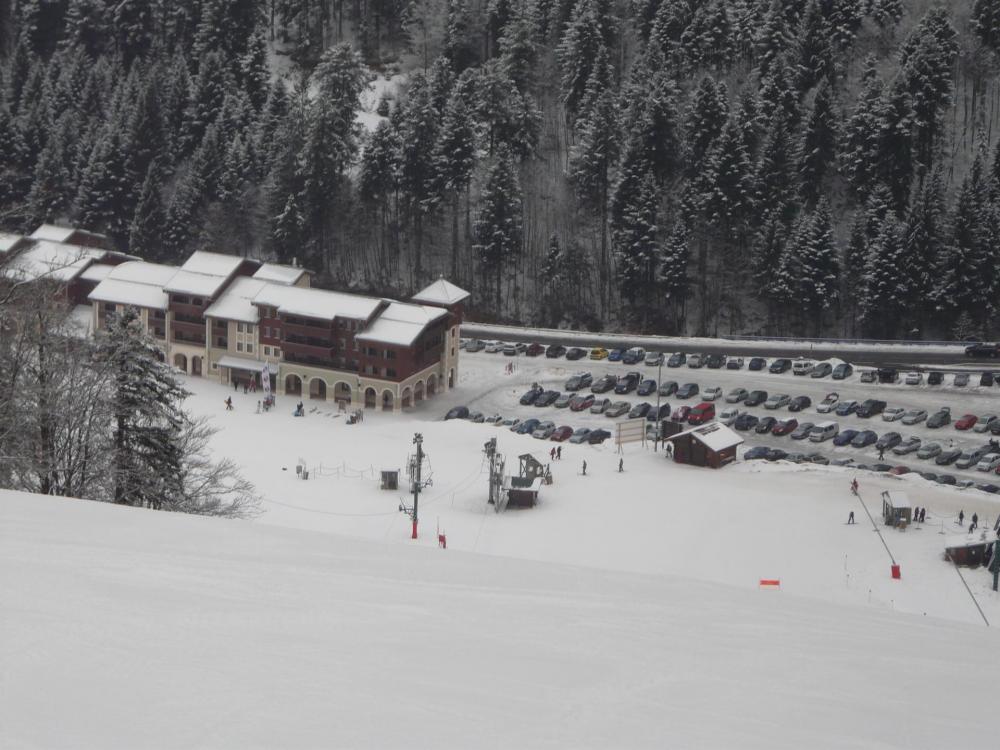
(502, 400)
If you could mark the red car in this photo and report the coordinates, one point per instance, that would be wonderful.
(702, 413)
(967, 422)
(534, 350)
(579, 403)
(681, 414)
(562, 434)
(785, 427)
(899, 470)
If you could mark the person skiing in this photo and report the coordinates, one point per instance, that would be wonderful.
(975, 520)
(585, 467)
(923, 514)
(881, 454)
(559, 453)
(229, 403)
(621, 465)
(552, 454)
(854, 486)
(850, 517)
(961, 517)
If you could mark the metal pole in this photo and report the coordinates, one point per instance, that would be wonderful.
(659, 382)
(418, 439)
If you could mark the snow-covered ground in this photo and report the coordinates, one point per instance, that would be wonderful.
(126, 628)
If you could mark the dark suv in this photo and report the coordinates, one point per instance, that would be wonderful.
(715, 361)
(780, 365)
(983, 350)
(628, 383)
(871, 407)
(756, 398)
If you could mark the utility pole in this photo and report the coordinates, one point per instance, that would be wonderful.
(416, 482)
(659, 382)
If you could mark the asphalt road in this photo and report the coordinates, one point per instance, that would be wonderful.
(872, 355)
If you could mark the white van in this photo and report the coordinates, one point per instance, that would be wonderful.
(824, 431)
(802, 366)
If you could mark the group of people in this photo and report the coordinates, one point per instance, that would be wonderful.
(249, 386)
(975, 520)
(919, 515)
(508, 368)
(555, 453)
(266, 404)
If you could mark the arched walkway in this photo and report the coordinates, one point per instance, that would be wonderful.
(406, 399)
(418, 391)
(370, 398)
(431, 385)
(181, 362)
(317, 388)
(196, 365)
(293, 385)
(387, 399)
(342, 392)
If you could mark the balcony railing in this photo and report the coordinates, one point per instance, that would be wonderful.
(185, 338)
(305, 359)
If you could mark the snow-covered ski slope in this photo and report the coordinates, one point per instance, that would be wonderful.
(126, 628)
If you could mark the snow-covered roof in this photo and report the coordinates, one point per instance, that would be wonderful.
(212, 264)
(983, 536)
(441, 292)
(198, 284)
(8, 241)
(53, 233)
(400, 323)
(898, 499)
(243, 363)
(715, 436)
(52, 260)
(236, 302)
(279, 274)
(135, 283)
(316, 303)
(96, 272)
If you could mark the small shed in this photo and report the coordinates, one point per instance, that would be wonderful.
(390, 479)
(896, 508)
(713, 445)
(522, 492)
(971, 549)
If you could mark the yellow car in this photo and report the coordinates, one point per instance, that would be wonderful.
(598, 353)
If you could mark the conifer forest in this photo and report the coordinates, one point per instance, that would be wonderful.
(771, 167)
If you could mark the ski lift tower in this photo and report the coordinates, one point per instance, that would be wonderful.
(414, 469)
(496, 473)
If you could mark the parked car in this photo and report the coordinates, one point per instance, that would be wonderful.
(888, 375)
(824, 431)
(535, 350)
(988, 487)
(935, 378)
(640, 410)
(802, 367)
(757, 453)
(563, 401)
(628, 383)
(696, 361)
(702, 413)
(889, 440)
(930, 476)
(604, 384)
(529, 397)
(986, 379)
(946, 479)
(646, 387)
(868, 376)
(617, 409)
(970, 458)
(680, 414)
(493, 347)
(580, 402)
(458, 412)
(983, 425)
(600, 405)
(544, 430)
(477, 417)
(961, 379)
(821, 370)
(512, 350)
(776, 454)
(547, 398)
(676, 359)
(802, 431)
(898, 471)
(846, 408)
(615, 355)
(844, 437)
(983, 350)
(988, 462)
(728, 416)
(828, 403)
(966, 422)
(995, 427)
(712, 393)
(785, 427)
(914, 416)
(598, 353)
(842, 371)
(892, 413)
(580, 435)
(757, 363)
(755, 398)
(634, 356)
(870, 407)
(777, 400)
(526, 427)
(864, 438)
(842, 461)
(687, 390)
(578, 381)
(929, 450)
(715, 361)
(948, 456)
(654, 415)
(780, 365)
(668, 388)
(596, 437)
(576, 353)
(914, 378)
(561, 434)
(939, 418)
(475, 345)
(555, 351)
(765, 425)
(907, 445)
(799, 403)
(818, 458)
(745, 422)
(734, 363)
(510, 422)
(737, 396)
(654, 359)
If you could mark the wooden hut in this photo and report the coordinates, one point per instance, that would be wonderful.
(971, 549)
(712, 445)
(896, 509)
(522, 492)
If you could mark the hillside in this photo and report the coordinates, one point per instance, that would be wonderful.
(677, 166)
(129, 628)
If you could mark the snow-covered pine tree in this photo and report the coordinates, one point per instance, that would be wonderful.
(672, 279)
(818, 148)
(884, 291)
(895, 159)
(136, 24)
(986, 22)
(774, 40)
(149, 222)
(860, 149)
(886, 13)
(815, 50)
(845, 18)
(208, 91)
(419, 126)
(581, 41)
(637, 250)
(924, 236)
(706, 118)
(498, 227)
(818, 267)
